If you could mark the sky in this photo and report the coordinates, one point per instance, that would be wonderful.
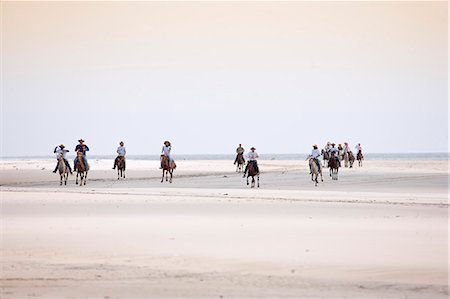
(210, 75)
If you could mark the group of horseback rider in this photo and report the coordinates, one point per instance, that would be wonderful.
(62, 151)
(252, 157)
(331, 152)
(121, 152)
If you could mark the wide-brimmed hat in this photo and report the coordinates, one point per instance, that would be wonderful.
(253, 148)
(80, 140)
(328, 142)
(333, 144)
(61, 146)
(167, 142)
(121, 142)
(314, 145)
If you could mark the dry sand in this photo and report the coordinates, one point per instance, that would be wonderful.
(380, 231)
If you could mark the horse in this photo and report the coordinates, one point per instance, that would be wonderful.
(81, 169)
(326, 157)
(240, 163)
(351, 158)
(167, 168)
(315, 171)
(359, 157)
(63, 170)
(252, 172)
(333, 164)
(346, 159)
(120, 167)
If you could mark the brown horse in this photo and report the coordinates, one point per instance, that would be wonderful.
(63, 170)
(167, 168)
(333, 164)
(120, 167)
(315, 170)
(359, 157)
(240, 163)
(252, 172)
(326, 157)
(81, 169)
(351, 158)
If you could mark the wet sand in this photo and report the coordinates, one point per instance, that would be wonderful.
(380, 231)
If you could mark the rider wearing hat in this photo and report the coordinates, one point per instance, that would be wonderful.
(239, 151)
(61, 151)
(82, 148)
(121, 151)
(167, 147)
(251, 158)
(335, 151)
(315, 153)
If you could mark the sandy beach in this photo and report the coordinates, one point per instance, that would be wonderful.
(380, 231)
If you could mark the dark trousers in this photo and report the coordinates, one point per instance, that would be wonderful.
(255, 166)
(67, 164)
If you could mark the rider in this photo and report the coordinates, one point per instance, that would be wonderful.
(251, 158)
(62, 151)
(167, 147)
(359, 150)
(239, 151)
(316, 156)
(335, 151)
(121, 151)
(340, 152)
(82, 148)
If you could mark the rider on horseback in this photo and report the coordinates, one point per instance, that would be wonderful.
(239, 151)
(251, 157)
(121, 151)
(82, 148)
(335, 151)
(62, 151)
(316, 156)
(358, 149)
(167, 147)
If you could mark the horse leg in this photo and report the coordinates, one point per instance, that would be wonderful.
(118, 172)
(162, 178)
(171, 175)
(258, 180)
(167, 175)
(85, 177)
(253, 182)
(247, 181)
(61, 179)
(76, 181)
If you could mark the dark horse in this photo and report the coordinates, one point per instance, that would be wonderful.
(333, 164)
(81, 169)
(351, 158)
(359, 157)
(240, 162)
(167, 168)
(253, 172)
(120, 167)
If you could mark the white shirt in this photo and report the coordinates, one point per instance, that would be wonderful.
(61, 152)
(166, 150)
(316, 153)
(358, 147)
(252, 156)
(121, 150)
(333, 150)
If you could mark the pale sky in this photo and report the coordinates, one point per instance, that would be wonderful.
(210, 75)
